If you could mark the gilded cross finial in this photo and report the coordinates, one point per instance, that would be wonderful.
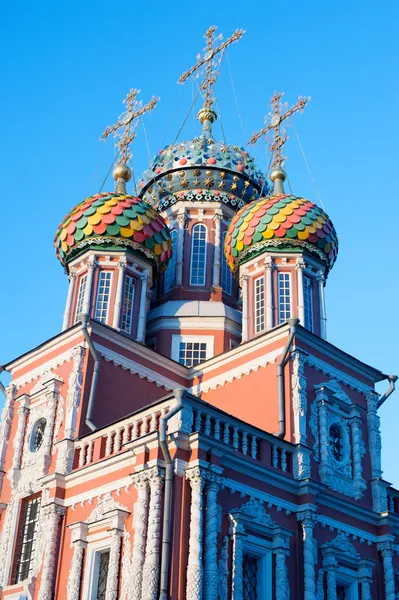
(276, 116)
(124, 131)
(207, 114)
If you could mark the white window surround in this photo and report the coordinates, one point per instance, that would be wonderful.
(81, 296)
(308, 302)
(170, 273)
(261, 549)
(94, 550)
(284, 296)
(177, 339)
(199, 233)
(348, 578)
(103, 296)
(259, 298)
(126, 317)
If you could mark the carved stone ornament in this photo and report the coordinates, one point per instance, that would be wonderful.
(223, 570)
(341, 545)
(74, 391)
(105, 505)
(255, 510)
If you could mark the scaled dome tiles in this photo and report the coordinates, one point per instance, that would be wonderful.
(115, 221)
(284, 222)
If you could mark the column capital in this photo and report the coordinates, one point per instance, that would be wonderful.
(144, 275)
(320, 277)
(243, 279)
(269, 263)
(72, 273)
(91, 262)
(155, 476)
(386, 548)
(139, 480)
(213, 480)
(196, 476)
(181, 218)
(308, 518)
(300, 264)
(218, 217)
(122, 264)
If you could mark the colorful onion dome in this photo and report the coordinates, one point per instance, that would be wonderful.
(202, 169)
(114, 221)
(283, 222)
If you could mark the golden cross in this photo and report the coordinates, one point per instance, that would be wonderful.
(210, 52)
(277, 116)
(125, 129)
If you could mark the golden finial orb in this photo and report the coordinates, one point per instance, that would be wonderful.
(278, 174)
(122, 171)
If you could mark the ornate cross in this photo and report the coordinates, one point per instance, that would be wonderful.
(210, 52)
(277, 116)
(125, 129)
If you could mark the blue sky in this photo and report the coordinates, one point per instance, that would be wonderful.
(65, 68)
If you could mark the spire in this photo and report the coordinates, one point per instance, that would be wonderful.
(124, 131)
(207, 115)
(276, 117)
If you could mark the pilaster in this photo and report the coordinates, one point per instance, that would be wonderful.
(213, 485)
(386, 550)
(300, 267)
(143, 306)
(67, 314)
(245, 308)
(119, 293)
(150, 580)
(91, 267)
(308, 520)
(195, 569)
(140, 517)
(181, 219)
(269, 266)
(52, 515)
(216, 259)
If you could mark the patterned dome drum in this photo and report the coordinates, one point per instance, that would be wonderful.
(203, 170)
(114, 221)
(282, 222)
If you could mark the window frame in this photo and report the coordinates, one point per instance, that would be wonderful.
(279, 289)
(197, 226)
(80, 299)
(308, 303)
(133, 282)
(178, 339)
(94, 550)
(261, 549)
(103, 320)
(20, 525)
(259, 309)
(170, 273)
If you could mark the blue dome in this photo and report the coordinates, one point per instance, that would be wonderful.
(203, 170)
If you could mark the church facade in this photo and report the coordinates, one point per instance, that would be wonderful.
(191, 433)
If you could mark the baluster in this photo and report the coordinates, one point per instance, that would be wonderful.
(235, 438)
(244, 442)
(208, 424)
(118, 440)
(125, 438)
(197, 424)
(274, 456)
(254, 446)
(226, 434)
(284, 459)
(82, 455)
(217, 429)
(135, 430)
(153, 421)
(90, 451)
(108, 445)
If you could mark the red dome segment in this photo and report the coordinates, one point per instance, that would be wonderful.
(284, 222)
(115, 221)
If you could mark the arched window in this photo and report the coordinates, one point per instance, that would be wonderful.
(198, 255)
(226, 273)
(170, 273)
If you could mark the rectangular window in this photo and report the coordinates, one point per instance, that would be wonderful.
(284, 297)
(26, 539)
(104, 288)
(259, 304)
(127, 306)
(102, 575)
(250, 577)
(192, 353)
(308, 302)
(81, 297)
(198, 255)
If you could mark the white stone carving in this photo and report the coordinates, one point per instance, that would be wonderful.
(75, 573)
(386, 550)
(105, 505)
(140, 528)
(299, 398)
(127, 568)
(331, 581)
(280, 550)
(301, 468)
(255, 509)
(111, 592)
(194, 568)
(341, 545)
(74, 391)
(223, 570)
(5, 425)
(51, 515)
(214, 482)
(18, 442)
(151, 562)
(320, 585)
(238, 536)
(308, 520)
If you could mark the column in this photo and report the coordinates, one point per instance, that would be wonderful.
(308, 520)
(238, 537)
(281, 551)
(7, 415)
(387, 549)
(140, 528)
(325, 466)
(75, 573)
(269, 266)
(366, 591)
(119, 294)
(245, 307)
(181, 219)
(299, 267)
(356, 431)
(216, 258)
(143, 307)
(18, 443)
(322, 305)
(194, 568)
(91, 266)
(52, 514)
(151, 561)
(71, 289)
(111, 592)
(213, 485)
(330, 569)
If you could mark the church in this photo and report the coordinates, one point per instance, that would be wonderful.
(191, 434)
